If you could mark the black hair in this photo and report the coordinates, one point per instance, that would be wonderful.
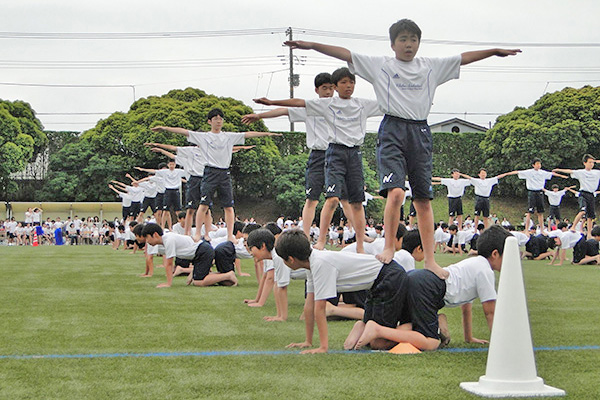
(411, 240)
(137, 230)
(238, 226)
(378, 227)
(214, 112)
(551, 243)
(151, 229)
(132, 224)
(162, 165)
(401, 232)
(482, 169)
(342, 73)
(596, 231)
(555, 186)
(480, 226)
(510, 227)
(259, 237)
(561, 225)
(322, 79)
(250, 227)
(455, 170)
(121, 228)
(587, 157)
(404, 25)
(273, 228)
(536, 159)
(491, 239)
(453, 228)
(182, 214)
(293, 243)
(444, 225)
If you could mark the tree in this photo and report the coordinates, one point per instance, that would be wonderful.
(21, 139)
(558, 128)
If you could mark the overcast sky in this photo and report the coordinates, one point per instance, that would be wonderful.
(560, 42)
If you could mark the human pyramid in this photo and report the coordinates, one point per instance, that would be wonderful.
(392, 301)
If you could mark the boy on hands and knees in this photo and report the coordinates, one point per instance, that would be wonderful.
(588, 178)
(217, 147)
(405, 86)
(330, 272)
(346, 117)
(468, 279)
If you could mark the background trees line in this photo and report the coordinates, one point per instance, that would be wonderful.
(559, 128)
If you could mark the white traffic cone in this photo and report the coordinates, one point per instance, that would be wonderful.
(510, 370)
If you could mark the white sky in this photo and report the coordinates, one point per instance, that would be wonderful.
(493, 86)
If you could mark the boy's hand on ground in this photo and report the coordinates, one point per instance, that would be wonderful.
(300, 345)
(263, 100)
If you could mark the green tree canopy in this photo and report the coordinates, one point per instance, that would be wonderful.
(558, 128)
(21, 139)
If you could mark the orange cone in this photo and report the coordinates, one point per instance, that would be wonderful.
(404, 348)
(35, 240)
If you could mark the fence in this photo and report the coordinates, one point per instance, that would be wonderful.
(63, 210)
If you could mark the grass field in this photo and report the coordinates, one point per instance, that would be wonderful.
(90, 301)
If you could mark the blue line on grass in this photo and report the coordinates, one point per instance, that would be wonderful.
(250, 353)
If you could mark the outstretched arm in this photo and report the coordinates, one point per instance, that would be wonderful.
(465, 175)
(570, 189)
(150, 171)
(238, 148)
(169, 147)
(163, 151)
(564, 171)
(114, 189)
(171, 129)
(506, 174)
(283, 103)
(119, 183)
(252, 134)
(250, 118)
(472, 56)
(341, 53)
(559, 175)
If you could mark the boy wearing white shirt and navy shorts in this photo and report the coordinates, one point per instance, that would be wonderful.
(456, 189)
(217, 147)
(483, 189)
(405, 87)
(346, 117)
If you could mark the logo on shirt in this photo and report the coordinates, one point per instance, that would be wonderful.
(331, 188)
(387, 178)
(396, 76)
(339, 112)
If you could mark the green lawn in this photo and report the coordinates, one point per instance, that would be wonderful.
(90, 300)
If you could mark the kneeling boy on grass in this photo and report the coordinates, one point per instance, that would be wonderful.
(468, 279)
(330, 272)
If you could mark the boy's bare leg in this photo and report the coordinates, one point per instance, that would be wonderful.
(375, 331)
(326, 216)
(308, 215)
(527, 221)
(349, 212)
(476, 221)
(541, 220)
(391, 220)
(149, 265)
(200, 221)
(359, 225)
(354, 335)
(590, 225)
(238, 268)
(180, 270)
(229, 221)
(425, 213)
(351, 312)
(460, 219)
(212, 279)
(444, 331)
(189, 219)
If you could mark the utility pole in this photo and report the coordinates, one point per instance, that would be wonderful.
(294, 79)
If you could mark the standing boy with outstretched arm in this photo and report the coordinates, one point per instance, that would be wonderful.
(217, 147)
(317, 140)
(588, 178)
(535, 179)
(483, 189)
(456, 189)
(346, 116)
(554, 198)
(405, 86)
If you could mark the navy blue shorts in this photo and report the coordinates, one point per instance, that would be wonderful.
(587, 204)
(192, 195)
(425, 298)
(216, 180)
(203, 261)
(225, 257)
(343, 172)
(482, 206)
(159, 201)
(405, 147)
(455, 206)
(554, 212)
(149, 202)
(172, 200)
(535, 201)
(386, 300)
(315, 174)
(125, 212)
(135, 208)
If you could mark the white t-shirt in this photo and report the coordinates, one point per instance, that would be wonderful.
(179, 246)
(159, 182)
(137, 193)
(368, 196)
(240, 249)
(405, 259)
(347, 118)
(28, 217)
(184, 163)
(469, 279)
(456, 187)
(554, 198)
(568, 239)
(217, 147)
(36, 216)
(521, 237)
(335, 271)
(155, 250)
(150, 189)
(172, 178)
(535, 179)
(405, 89)
(125, 199)
(588, 180)
(178, 229)
(375, 247)
(194, 159)
(317, 129)
(483, 187)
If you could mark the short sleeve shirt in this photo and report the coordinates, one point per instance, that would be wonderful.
(588, 180)
(194, 159)
(317, 129)
(405, 89)
(217, 147)
(179, 246)
(554, 198)
(470, 279)
(456, 187)
(483, 187)
(347, 118)
(172, 178)
(535, 179)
